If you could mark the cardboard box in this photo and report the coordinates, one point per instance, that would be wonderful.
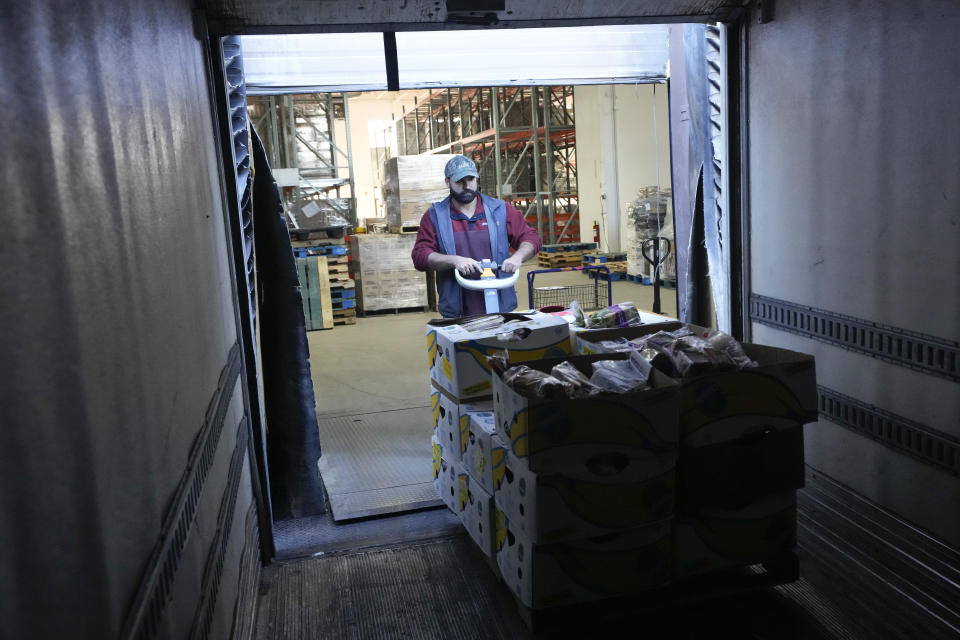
(411, 184)
(453, 421)
(553, 436)
(445, 477)
(613, 492)
(782, 390)
(477, 517)
(563, 573)
(458, 357)
(484, 453)
(766, 459)
(715, 539)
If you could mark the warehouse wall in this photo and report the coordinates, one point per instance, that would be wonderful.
(364, 107)
(854, 173)
(119, 331)
(617, 152)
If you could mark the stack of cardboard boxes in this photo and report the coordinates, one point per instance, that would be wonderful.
(741, 455)
(590, 498)
(468, 458)
(411, 185)
(384, 272)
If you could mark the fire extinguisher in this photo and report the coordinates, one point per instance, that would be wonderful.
(596, 232)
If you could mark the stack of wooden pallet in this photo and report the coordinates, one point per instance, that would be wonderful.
(615, 262)
(569, 254)
(329, 296)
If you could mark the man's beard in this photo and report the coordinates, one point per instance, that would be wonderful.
(464, 197)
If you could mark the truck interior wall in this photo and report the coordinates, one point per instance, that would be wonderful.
(616, 143)
(854, 184)
(119, 350)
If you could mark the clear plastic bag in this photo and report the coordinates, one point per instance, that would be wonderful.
(531, 382)
(483, 323)
(621, 376)
(684, 353)
(578, 318)
(623, 314)
(578, 385)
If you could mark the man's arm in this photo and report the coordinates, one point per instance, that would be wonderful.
(523, 238)
(521, 255)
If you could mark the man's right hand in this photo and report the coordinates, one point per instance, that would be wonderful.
(466, 266)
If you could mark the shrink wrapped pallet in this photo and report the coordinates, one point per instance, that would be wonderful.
(649, 216)
(411, 185)
(384, 272)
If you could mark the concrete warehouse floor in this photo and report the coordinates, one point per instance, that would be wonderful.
(371, 387)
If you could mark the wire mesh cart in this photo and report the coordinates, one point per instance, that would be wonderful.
(589, 296)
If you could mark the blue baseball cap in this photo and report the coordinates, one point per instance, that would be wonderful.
(459, 167)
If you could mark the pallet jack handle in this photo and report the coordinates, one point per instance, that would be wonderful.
(656, 259)
(489, 283)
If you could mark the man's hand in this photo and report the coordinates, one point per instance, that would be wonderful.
(511, 264)
(466, 266)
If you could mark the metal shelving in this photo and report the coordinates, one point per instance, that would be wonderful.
(299, 132)
(523, 140)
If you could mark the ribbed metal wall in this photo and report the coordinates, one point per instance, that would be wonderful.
(118, 322)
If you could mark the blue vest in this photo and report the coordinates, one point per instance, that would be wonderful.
(449, 292)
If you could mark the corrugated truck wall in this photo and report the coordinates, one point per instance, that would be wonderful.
(124, 479)
(854, 178)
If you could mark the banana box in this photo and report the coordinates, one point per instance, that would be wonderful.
(783, 388)
(715, 539)
(611, 491)
(555, 435)
(477, 517)
(453, 421)
(484, 453)
(763, 459)
(457, 348)
(576, 571)
(446, 478)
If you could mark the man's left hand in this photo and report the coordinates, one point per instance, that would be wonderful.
(511, 264)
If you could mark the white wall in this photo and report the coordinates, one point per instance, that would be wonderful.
(364, 107)
(617, 152)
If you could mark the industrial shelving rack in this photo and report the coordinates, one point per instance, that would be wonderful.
(523, 140)
(299, 132)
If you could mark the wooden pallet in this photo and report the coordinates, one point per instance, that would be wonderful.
(564, 259)
(602, 258)
(344, 316)
(315, 292)
(397, 311)
(612, 266)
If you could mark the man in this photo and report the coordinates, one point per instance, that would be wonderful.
(464, 228)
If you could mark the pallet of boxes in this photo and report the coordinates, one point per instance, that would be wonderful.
(650, 216)
(384, 273)
(658, 457)
(411, 185)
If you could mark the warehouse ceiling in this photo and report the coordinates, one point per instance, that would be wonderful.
(601, 54)
(299, 16)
